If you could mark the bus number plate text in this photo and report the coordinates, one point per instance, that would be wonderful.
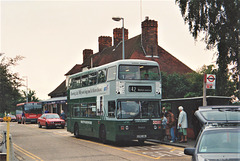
(141, 136)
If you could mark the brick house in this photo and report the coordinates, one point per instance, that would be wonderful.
(144, 46)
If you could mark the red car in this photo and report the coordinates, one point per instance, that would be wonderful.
(51, 120)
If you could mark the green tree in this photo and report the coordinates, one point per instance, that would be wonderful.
(191, 84)
(9, 84)
(219, 21)
(31, 95)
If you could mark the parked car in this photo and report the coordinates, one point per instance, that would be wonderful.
(13, 117)
(50, 120)
(219, 137)
(1, 119)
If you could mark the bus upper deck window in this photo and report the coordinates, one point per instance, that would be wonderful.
(92, 78)
(111, 73)
(102, 76)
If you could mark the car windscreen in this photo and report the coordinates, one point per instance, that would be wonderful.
(52, 116)
(220, 141)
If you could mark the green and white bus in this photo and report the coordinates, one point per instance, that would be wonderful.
(119, 101)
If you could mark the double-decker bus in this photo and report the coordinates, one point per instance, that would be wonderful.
(119, 101)
(33, 110)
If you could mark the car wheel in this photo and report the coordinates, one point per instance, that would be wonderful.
(47, 127)
(76, 130)
(39, 125)
(63, 127)
(102, 134)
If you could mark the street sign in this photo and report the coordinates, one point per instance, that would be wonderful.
(210, 81)
(7, 119)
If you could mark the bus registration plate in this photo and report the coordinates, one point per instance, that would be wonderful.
(141, 136)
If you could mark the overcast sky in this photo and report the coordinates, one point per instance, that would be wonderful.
(51, 35)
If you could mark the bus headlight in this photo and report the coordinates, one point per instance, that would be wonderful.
(155, 127)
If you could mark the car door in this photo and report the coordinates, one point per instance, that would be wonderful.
(41, 120)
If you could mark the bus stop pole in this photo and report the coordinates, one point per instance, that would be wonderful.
(8, 142)
(7, 119)
(204, 91)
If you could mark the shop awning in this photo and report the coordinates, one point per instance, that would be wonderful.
(55, 100)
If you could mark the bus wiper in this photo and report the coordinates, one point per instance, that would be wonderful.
(134, 117)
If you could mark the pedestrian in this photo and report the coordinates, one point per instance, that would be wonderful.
(63, 115)
(46, 111)
(164, 124)
(164, 111)
(23, 117)
(182, 124)
(171, 125)
(164, 121)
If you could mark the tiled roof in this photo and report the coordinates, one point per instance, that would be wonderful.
(133, 50)
(77, 68)
(61, 90)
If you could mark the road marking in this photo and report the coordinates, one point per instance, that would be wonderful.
(114, 148)
(151, 155)
(156, 153)
(27, 153)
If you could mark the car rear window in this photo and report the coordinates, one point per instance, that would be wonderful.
(221, 115)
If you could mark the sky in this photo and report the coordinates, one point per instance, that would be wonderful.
(51, 35)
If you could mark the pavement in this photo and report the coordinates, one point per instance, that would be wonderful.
(190, 143)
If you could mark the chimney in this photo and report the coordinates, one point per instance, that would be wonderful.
(150, 37)
(104, 42)
(117, 35)
(86, 54)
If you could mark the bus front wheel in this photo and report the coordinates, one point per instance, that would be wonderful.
(141, 141)
(102, 134)
(76, 130)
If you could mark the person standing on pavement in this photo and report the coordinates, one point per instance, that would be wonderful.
(171, 125)
(182, 124)
(164, 111)
(23, 117)
(63, 115)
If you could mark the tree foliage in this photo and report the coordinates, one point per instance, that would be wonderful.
(31, 95)
(9, 84)
(191, 84)
(219, 20)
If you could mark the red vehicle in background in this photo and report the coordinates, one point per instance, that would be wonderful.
(33, 110)
(51, 120)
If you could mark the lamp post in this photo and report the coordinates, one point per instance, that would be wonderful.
(26, 87)
(118, 19)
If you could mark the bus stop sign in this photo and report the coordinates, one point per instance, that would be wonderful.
(210, 81)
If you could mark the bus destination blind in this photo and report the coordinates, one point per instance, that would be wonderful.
(140, 89)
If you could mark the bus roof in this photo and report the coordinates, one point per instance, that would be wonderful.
(24, 103)
(125, 61)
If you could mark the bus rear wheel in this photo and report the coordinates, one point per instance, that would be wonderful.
(76, 130)
(102, 134)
